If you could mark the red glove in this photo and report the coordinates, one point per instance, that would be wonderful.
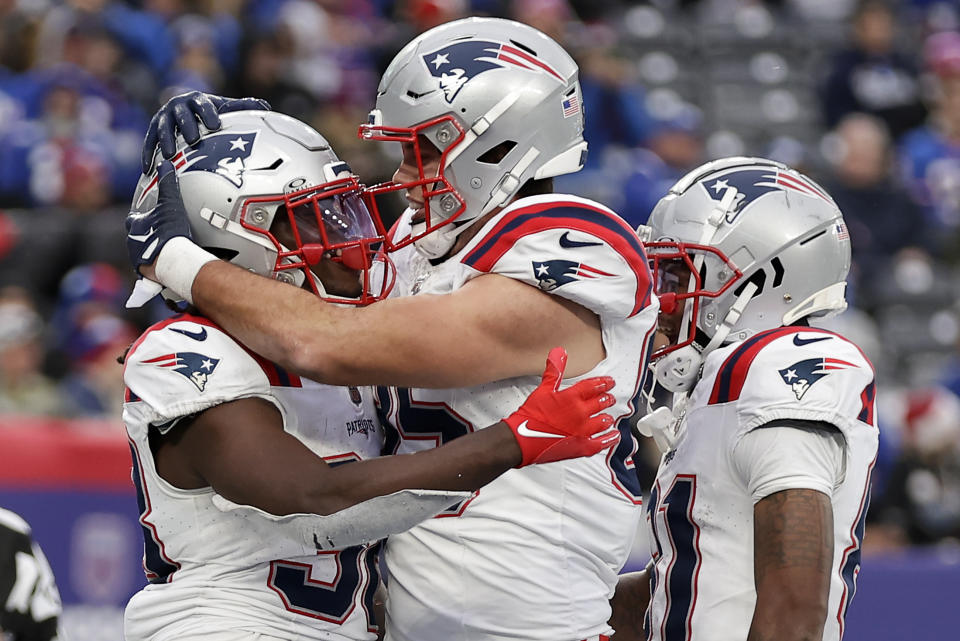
(552, 425)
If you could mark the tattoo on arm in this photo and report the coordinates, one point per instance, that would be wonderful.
(793, 554)
(793, 530)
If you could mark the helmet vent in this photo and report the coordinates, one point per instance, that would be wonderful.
(817, 235)
(223, 253)
(524, 47)
(758, 278)
(778, 271)
(497, 153)
(413, 94)
(276, 163)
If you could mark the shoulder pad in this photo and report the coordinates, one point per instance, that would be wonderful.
(568, 246)
(780, 374)
(187, 364)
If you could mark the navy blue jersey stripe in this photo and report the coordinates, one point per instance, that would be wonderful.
(725, 375)
(583, 213)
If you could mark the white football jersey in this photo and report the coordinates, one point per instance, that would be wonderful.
(700, 512)
(210, 570)
(535, 554)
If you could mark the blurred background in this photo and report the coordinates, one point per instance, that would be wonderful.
(862, 96)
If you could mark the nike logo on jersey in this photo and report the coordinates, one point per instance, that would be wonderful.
(566, 243)
(800, 342)
(197, 336)
(523, 430)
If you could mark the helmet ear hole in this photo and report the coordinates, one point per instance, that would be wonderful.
(758, 278)
(497, 153)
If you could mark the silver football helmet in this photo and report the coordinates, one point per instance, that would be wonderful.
(267, 193)
(499, 100)
(738, 246)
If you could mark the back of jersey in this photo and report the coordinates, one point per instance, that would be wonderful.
(535, 554)
(224, 569)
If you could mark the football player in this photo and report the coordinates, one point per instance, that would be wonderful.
(29, 599)
(757, 514)
(261, 498)
(493, 269)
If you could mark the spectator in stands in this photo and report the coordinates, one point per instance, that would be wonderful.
(922, 496)
(24, 389)
(612, 95)
(881, 217)
(674, 147)
(29, 600)
(930, 155)
(872, 76)
(196, 65)
(94, 386)
(89, 332)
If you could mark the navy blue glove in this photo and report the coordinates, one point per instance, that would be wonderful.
(148, 232)
(181, 114)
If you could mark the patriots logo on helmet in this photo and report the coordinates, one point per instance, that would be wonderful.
(551, 274)
(802, 374)
(197, 368)
(753, 183)
(457, 64)
(222, 154)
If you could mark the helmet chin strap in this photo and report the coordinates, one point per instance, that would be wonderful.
(439, 242)
(678, 372)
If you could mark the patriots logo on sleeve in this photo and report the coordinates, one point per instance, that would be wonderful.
(803, 374)
(753, 183)
(197, 368)
(551, 274)
(223, 154)
(457, 64)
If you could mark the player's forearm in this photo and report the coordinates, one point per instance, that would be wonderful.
(279, 322)
(779, 620)
(464, 464)
(628, 605)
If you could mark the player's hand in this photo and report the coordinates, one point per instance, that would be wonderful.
(148, 232)
(554, 425)
(182, 114)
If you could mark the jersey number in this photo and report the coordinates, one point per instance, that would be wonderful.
(419, 421)
(156, 565)
(333, 600)
(679, 530)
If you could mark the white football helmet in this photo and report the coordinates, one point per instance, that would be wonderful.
(500, 101)
(267, 193)
(738, 246)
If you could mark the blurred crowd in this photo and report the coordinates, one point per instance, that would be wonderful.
(864, 96)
